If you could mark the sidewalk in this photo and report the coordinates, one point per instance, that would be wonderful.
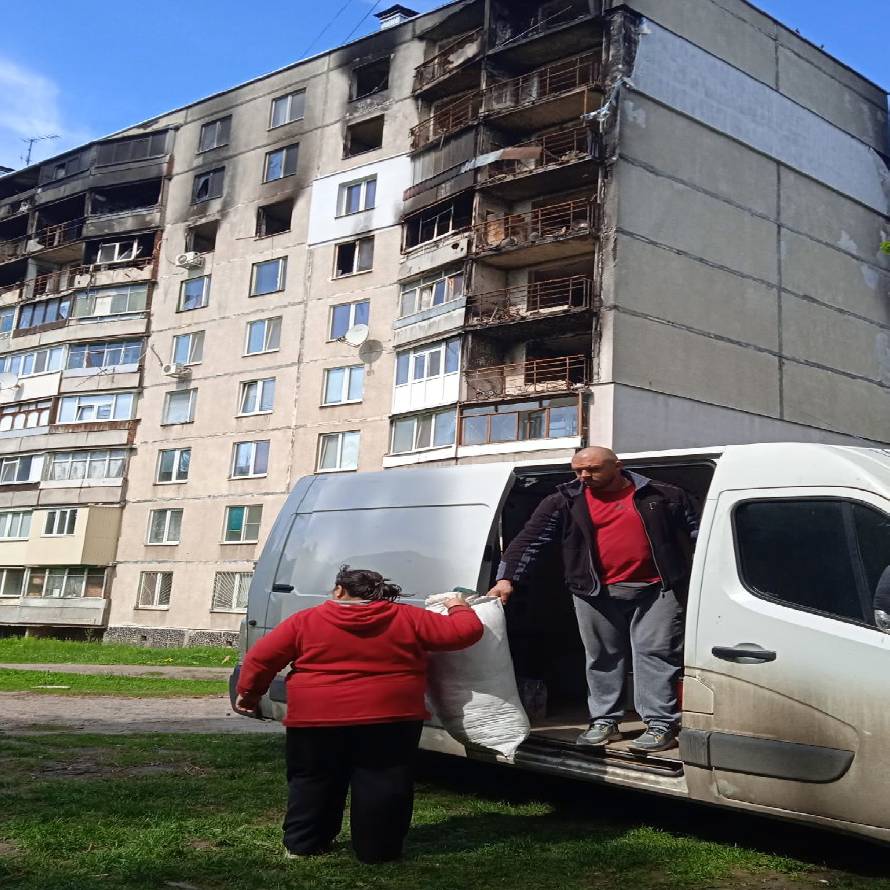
(129, 670)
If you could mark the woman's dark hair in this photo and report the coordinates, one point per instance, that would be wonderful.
(367, 585)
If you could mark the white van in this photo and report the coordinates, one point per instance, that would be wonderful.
(786, 690)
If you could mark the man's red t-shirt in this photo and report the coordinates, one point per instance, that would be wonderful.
(621, 541)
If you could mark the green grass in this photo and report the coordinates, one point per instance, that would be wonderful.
(152, 812)
(105, 684)
(37, 650)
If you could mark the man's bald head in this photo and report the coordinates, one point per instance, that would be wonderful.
(598, 468)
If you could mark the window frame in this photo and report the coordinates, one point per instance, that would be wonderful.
(254, 446)
(64, 517)
(221, 124)
(215, 177)
(81, 297)
(155, 606)
(426, 350)
(66, 573)
(345, 387)
(281, 277)
(86, 456)
(352, 322)
(50, 353)
(356, 258)
(289, 97)
(205, 293)
(418, 285)
(193, 398)
(17, 460)
(416, 418)
(244, 523)
(339, 435)
(240, 582)
(177, 460)
(105, 346)
(265, 321)
(114, 396)
(131, 254)
(195, 344)
(4, 574)
(286, 151)
(5, 524)
(362, 184)
(261, 383)
(169, 511)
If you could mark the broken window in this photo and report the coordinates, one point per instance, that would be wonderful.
(288, 108)
(137, 148)
(280, 163)
(202, 238)
(363, 136)
(208, 185)
(117, 251)
(438, 220)
(273, 219)
(215, 134)
(371, 78)
(120, 199)
(354, 256)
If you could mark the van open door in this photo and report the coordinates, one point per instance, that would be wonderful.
(787, 683)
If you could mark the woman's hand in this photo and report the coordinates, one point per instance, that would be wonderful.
(247, 706)
(454, 601)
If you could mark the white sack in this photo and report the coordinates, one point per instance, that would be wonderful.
(473, 691)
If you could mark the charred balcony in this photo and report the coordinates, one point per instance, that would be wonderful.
(455, 68)
(73, 277)
(450, 116)
(534, 376)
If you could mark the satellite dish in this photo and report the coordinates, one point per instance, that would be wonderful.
(8, 381)
(370, 351)
(356, 335)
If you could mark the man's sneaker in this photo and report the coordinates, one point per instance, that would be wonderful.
(599, 733)
(654, 739)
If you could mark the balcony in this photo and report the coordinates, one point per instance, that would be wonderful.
(553, 304)
(452, 69)
(545, 164)
(450, 118)
(532, 377)
(547, 96)
(72, 277)
(57, 237)
(554, 232)
(520, 426)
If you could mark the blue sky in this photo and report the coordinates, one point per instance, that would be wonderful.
(85, 69)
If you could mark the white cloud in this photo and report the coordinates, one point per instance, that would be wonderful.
(30, 105)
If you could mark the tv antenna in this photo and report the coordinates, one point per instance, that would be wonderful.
(31, 140)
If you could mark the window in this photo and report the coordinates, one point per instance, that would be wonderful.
(173, 465)
(94, 407)
(66, 583)
(369, 79)
(118, 251)
(164, 526)
(288, 108)
(230, 591)
(540, 419)
(154, 590)
(136, 148)
(338, 451)
(179, 407)
(16, 469)
(342, 385)
(215, 134)
(363, 136)
(281, 162)
(33, 315)
(263, 336)
(250, 459)
(202, 237)
(273, 219)
(427, 362)
(354, 256)
(25, 415)
(103, 355)
(818, 555)
(194, 293)
(243, 524)
(188, 349)
(437, 221)
(72, 466)
(429, 291)
(268, 277)
(36, 361)
(58, 171)
(12, 582)
(110, 301)
(257, 396)
(344, 316)
(434, 430)
(15, 525)
(355, 197)
(59, 523)
(7, 319)
(208, 185)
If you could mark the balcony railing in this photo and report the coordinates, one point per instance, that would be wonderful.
(457, 114)
(529, 301)
(562, 374)
(45, 238)
(67, 278)
(544, 83)
(547, 150)
(446, 60)
(570, 219)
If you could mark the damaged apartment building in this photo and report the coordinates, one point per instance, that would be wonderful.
(493, 231)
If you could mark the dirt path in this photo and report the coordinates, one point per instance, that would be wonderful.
(24, 713)
(129, 670)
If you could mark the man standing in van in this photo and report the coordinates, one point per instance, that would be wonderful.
(627, 551)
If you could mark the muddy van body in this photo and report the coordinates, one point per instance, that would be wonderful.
(786, 684)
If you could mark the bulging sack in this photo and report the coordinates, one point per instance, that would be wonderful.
(473, 691)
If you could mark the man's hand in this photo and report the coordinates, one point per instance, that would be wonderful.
(503, 589)
(247, 706)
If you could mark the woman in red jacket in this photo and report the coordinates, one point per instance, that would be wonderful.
(355, 709)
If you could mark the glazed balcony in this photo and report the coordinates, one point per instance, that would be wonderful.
(532, 377)
(516, 426)
(449, 118)
(553, 305)
(72, 277)
(452, 69)
(554, 232)
(546, 96)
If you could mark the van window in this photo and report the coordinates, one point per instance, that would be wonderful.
(817, 555)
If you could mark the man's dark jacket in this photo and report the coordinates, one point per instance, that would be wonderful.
(668, 516)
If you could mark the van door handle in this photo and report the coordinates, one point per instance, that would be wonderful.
(744, 653)
(282, 588)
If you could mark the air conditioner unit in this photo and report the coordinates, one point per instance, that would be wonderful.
(176, 369)
(190, 260)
